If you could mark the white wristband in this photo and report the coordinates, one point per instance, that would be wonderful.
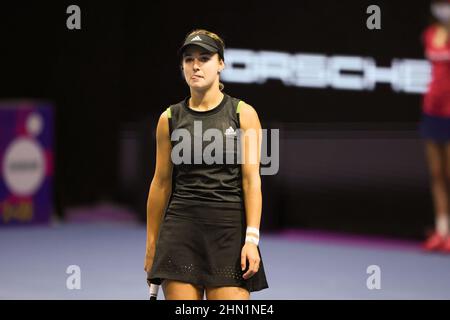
(252, 239)
(154, 291)
(253, 230)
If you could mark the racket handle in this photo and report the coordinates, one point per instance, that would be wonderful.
(153, 291)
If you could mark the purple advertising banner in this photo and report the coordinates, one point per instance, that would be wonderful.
(26, 162)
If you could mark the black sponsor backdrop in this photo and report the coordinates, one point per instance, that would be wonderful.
(343, 153)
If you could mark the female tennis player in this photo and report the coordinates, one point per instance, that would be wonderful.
(204, 206)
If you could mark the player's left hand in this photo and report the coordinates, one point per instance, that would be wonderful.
(250, 252)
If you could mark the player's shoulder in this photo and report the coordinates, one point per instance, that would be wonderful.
(246, 109)
(171, 109)
(248, 115)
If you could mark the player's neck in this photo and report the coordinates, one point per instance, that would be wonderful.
(205, 100)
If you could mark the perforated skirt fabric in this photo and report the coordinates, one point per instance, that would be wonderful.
(201, 244)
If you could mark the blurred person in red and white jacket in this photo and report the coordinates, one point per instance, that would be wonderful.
(435, 122)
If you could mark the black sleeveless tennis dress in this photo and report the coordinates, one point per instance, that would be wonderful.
(204, 226)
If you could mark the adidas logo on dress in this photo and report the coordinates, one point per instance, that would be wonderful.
(230, 132)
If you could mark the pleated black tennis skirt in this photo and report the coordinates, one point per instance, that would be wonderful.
(201, 243)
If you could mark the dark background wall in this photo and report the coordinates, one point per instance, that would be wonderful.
(350, 160)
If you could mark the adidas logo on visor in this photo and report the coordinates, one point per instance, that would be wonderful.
(197, 38)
